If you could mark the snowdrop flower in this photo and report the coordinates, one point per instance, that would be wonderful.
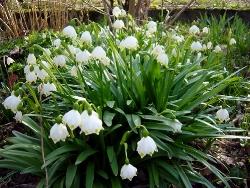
(98, 53)
(10, 60)
(146, 146)
(58, 132)
(72, 118)
(162, 59)
(128, 171)
(90, 124)
(86, 37)
(41, 74)
(209, 45)
(178, 39)
(130, 43)
(198, 56)
(205, 30)
(12, 102)
(116, 11)
(70, 32)
(194, 30)
(105, 61)
(60, 61)
(45, 64)
(73, 50)
(177, 125)
(151, 27)
(83, 57)
(231, 42)
(222, 115)
(123, 13)
(157, 50)
(31, 77)
(196, 46)
(118, 24)
(73, 71)
(188, 61)
(19, 116)
(46, 89)
(56, 43)
(204, 47)
(217, 49)
(31, 59)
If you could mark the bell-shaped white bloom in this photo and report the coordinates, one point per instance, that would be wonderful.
(178, 38)
(116, 11)
(73, 71)
(130, 43)
(222, 115)
(58, 132)
(19, 116)
(128, 171)
(157, 50)
(146, 146)
(98, 53)
(204, 47)
(59, 60)
(70, 32)
(90, 124)
(196, 46)
(31, 76)
(177, 125)
(83, 57)
(10, 60)
(45, 64)
(46, 89)
(123, 13)
(194, 29)
(151, 27)
(205, 30)
(105, 61)
(47, 51)
(41, 74)
(31, 59)
(73, 50)
(209, 45)
(162, 59)
(232, 41)
(12, 103)
(56, 43)
(72, 118)
(118, 24)
(86, 37)
(217, 49)
(199, 55)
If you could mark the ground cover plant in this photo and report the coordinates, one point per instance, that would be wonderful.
(123, 108)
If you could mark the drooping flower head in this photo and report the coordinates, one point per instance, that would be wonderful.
(146, 146)
(128, 171)
(58, 132)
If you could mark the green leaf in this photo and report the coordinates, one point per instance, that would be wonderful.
(183, 176)
(84, 155)
(108, 117)
(70, 175)
(90, 175)
(61, 150)
(31, 124)
(112, 159)
(116, 182)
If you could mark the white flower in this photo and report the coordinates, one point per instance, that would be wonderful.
(45, 64)
(19, 116)
(73, 50)
(199, 55)
(12, 103)
(209, 45)
(83, 57)
(31, 59)
(10, 60)
(196, 46)
(157, 50)
(90, 124)
(47, 51)
(232, 41)
(130, 43)
(105, 61)
(72, 118)
(205, 30)
(128, 171)
(59, 60)
(162, 59)
(86, 37)
(31, 76)
(41, 73)
(118, 24)
(58, 132)
(73, 71)
(222, 115)
(56, 43)
(98, 53)
(217, 49)
(177, 126)
(204, 47)
(194, 30)
(178, 38)
(123, 13)
(46, 89)
(70, 32)
(151, 27)
(116, 11)
(146, 146)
